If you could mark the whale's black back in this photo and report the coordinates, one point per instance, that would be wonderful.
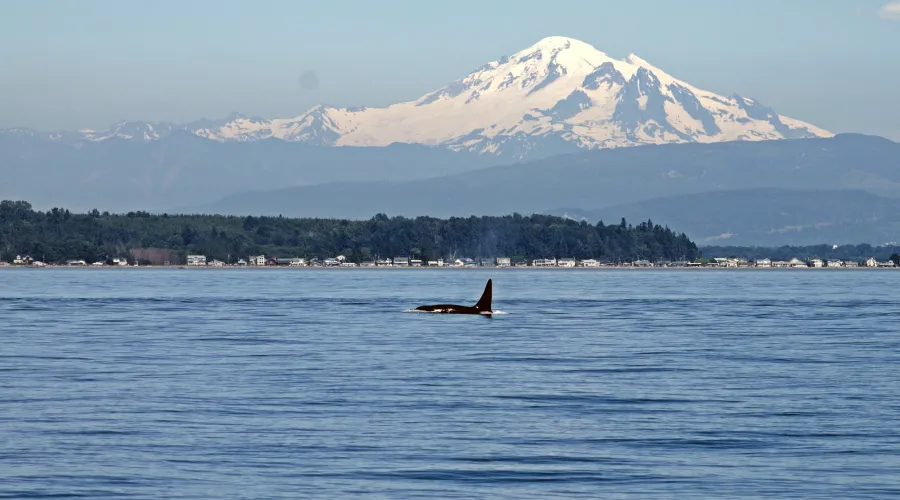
(482, 307)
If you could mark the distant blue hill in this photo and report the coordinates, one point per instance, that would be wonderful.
(841, 189)
(183, 169)
(765, 216)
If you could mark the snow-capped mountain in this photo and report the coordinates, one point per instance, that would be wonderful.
(552, 97)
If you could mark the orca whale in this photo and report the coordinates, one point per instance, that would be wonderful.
(482, 307)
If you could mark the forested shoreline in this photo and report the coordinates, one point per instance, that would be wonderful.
(58, 235)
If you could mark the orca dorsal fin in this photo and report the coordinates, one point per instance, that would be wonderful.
(484, 303)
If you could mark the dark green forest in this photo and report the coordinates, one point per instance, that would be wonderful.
(57, 235)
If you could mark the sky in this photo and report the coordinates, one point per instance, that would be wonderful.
(68, 65)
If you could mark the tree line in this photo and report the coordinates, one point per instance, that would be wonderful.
(57, 235)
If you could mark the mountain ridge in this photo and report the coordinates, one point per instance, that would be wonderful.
(559, 94)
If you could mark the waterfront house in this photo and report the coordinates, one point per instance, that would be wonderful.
(257, 260)
(834, 263)
(436, 263)
(298, 262)
(76, 263)
(816, 263)
(332, 262)
(284, 261)
(642, 263)
(504, 261)
(543, 263)
(566, 262)
(241, 262)
(781, 263)
(368, 263)
(467, 262)
(415, 263)
(520, 263)
(23, 261)
(401, 261)
(120, 261)
(764, 263)
(720, 261)
(99, 263)
(348, 264)
(590, 263)
(871, 262)
(216, 263)
(851, 263)
(196, 260)
(384, 263)
(887, 263)
(795, 262)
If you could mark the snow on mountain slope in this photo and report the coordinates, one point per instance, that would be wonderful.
(555, 96)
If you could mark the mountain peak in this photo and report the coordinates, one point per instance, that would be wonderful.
(558, 95)
(561, 43)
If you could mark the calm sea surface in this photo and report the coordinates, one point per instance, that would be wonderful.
(138, 383)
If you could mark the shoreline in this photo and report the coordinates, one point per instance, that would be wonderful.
(445, 268)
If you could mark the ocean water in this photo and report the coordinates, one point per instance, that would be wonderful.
(177, 384)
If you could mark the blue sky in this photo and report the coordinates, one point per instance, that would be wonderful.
(69, 65)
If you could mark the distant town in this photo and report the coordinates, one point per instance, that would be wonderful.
(340, 261)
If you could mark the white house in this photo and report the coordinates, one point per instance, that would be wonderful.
(120, 261)
(384, 263)
(99, 263)
(781, 263)
(834, 263)
(851, 263)
(76, 263)
(257, 260)
(348, 264)
(415, 263)
(817, 263)
(543, 263)
(401, 261)
(795, 262)
(764, 263)
(504, 262)
(216, 263)
(590, 263)
(436, 263)
(196, 260)
(871, 262)
(241, 262)
(566, 262)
